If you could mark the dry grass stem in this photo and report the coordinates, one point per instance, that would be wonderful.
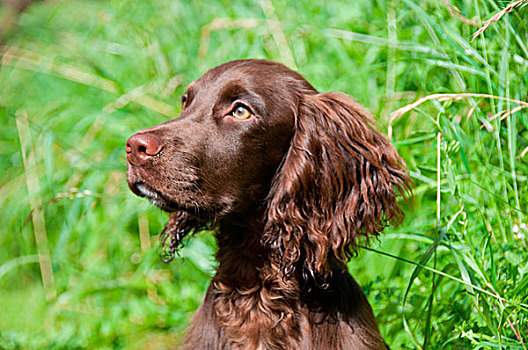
(446, 97)
(455, 12)
(453, 97)
(35, 203)
(144, 232)
(471, 111)
(24, 59)
(499, 15)
(171, 86)
(523, 153)
(514, 110)
(278, 34)
(140, 96)
(222, 24)
(144, 238)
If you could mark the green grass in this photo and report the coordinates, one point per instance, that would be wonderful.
(88, 74)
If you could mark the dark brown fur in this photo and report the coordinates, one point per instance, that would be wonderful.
(291, 192)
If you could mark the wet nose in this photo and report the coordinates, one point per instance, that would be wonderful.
(142, 147)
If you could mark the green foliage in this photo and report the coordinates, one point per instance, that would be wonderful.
(87, 74)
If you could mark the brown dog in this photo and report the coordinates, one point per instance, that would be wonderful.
(291, 180)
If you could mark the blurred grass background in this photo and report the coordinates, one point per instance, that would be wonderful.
(77, 78)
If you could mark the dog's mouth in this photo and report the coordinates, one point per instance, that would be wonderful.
(180, 224)
(142, 189)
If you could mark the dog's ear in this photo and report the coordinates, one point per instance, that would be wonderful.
(337, 185)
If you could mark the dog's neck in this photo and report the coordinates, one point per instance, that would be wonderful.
(240, 255)
(250, 288)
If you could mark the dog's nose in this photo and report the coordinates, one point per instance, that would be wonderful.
(142, 147)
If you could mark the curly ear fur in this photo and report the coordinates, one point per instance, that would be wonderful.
(337, 185)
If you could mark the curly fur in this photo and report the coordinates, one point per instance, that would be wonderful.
(337, 185)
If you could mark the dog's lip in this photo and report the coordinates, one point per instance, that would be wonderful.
(143, 189)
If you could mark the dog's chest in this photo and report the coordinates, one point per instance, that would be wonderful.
(258, 318)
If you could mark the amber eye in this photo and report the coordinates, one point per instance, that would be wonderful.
(241, 112)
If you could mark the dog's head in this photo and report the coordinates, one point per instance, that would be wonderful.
(220, 155)
(255, 137)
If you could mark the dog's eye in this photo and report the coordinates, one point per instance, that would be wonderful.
(241, 112)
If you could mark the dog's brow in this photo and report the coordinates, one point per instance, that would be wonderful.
(191, 90)
(233, 89)
(237, 90)
(191, 86)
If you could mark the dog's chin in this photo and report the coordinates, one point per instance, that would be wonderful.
(142, 189)
(145, 190)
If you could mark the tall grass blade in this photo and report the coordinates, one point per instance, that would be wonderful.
(35, 203)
